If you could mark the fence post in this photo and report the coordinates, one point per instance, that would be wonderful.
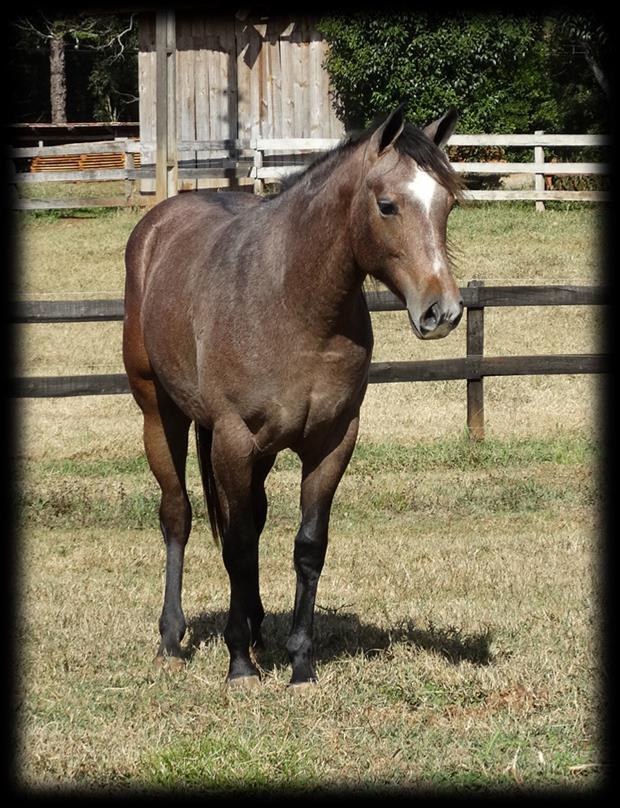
(539, 178)
(166, 170)
(129, 183)
(475, 387)
(259, 184)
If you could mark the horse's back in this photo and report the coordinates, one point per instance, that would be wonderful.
(175, 220)
(160, 252)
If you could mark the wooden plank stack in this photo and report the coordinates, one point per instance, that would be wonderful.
(82, 162)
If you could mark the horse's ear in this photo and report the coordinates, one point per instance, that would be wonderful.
(389, 131)
(441, 130)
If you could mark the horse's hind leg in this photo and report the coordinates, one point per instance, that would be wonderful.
(165, 441)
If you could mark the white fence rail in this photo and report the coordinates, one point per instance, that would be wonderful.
(539, 168)
(265, 159)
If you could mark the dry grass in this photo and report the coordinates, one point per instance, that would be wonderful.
(455, 628)
(440, 666)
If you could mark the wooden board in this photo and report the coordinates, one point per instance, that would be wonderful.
(257, 77)
(379, 373)
(529, 140)
(82, 202)
(68, 311)
(186, 98)
(146, 89)
(475, 367)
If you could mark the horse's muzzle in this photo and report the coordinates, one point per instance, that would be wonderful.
(437, 320)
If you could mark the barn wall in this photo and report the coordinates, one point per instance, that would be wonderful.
(239, 80)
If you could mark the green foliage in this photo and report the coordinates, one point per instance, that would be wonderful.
(499, 71)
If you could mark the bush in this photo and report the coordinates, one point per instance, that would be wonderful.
(501, 72)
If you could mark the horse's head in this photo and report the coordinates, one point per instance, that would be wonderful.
(399, 216)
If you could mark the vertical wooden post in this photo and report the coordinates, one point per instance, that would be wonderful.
(475, 387)
(166, 167)
(129, 183)
(539, 178)
(259, 184)
(172, 162)
(161, 108)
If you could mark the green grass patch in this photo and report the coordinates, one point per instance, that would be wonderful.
(384, 480)
(469, 454)
(460, 453)
(26, 217)
(224, 764)
(123, 466)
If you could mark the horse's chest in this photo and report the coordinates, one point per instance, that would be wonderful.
(332, 392)
(315, 402)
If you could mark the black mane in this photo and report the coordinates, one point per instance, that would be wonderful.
(412, 142)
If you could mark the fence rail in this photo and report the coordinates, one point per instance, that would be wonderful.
(473, 367)
(264, 159)
(267, 148)
(100, 310)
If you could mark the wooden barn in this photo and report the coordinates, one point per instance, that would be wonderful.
(237, 75)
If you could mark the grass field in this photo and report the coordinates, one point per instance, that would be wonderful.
(457, 626)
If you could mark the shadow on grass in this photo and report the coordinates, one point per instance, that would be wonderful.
(339, 634)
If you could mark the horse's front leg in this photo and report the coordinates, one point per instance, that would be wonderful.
(233, 466)
(322, 470)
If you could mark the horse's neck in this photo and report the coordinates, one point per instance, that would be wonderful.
(321, 274)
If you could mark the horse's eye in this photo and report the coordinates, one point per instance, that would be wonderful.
(386, 207)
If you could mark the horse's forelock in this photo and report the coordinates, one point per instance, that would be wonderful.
(414, 143)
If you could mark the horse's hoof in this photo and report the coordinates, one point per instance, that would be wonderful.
(301, 688)
(243, 682)
(169, 663)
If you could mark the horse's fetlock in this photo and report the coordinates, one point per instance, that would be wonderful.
(297, 643)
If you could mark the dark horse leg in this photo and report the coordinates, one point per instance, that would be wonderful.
(259, 509)
(240, 481)
(165, 441)
(260, 471)
(322, 469)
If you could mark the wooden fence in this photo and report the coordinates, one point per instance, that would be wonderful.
(473, 367)
(233, 74)
(540, 169)
(263, 159)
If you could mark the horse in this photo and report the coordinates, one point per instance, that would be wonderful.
(246, 316)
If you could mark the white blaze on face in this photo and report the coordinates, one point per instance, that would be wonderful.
(423, 188)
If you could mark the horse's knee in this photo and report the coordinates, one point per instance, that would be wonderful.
(175, 517)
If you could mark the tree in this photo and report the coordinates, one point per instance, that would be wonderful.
(58, 77)
(587, 36)
(112, 37)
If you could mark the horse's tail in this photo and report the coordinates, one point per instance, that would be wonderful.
(204, 438)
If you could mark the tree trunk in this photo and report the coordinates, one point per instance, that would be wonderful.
(597, 70)
(58, 80)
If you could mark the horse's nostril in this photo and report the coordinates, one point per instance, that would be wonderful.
(430, 318)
